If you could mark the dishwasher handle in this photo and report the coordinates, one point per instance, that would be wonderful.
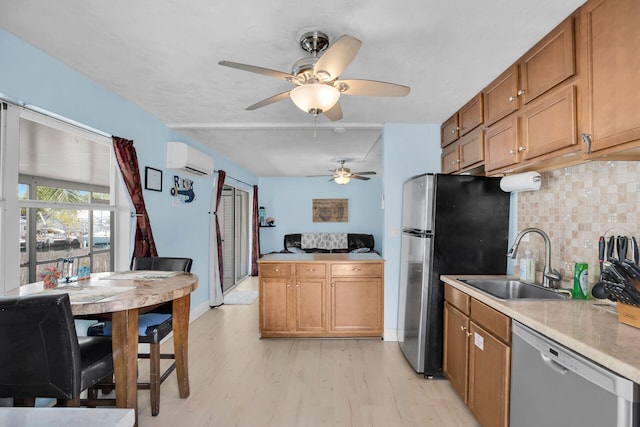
(552, 364)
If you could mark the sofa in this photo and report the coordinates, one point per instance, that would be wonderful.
(328, 243)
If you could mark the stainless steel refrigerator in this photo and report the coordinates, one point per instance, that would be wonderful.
(451, 224)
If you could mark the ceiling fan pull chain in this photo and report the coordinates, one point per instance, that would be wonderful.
(315, 125)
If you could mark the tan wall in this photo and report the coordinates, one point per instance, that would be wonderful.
(575, 206)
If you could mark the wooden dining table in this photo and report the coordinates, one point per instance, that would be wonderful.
(123, 296)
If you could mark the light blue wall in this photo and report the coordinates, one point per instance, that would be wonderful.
(31, 77)
(408, 150)
(288, 201)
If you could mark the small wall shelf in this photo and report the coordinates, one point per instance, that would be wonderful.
(267, 226)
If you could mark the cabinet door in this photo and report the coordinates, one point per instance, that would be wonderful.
(449, 160)
(274, 307)
(501, 144)
(449, 130)
(549, 62)
(310, 305)
(501, 96)
(471, 115)
(611, 40)
(471, 149)
(549, 124)
(357, 305)
(489, 375)
(456, 348)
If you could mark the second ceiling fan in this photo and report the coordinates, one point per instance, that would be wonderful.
(317, 88)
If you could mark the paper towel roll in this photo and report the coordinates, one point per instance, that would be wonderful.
(526, 181)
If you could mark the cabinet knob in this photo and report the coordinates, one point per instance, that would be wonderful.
(512, 151)
(521, 149)
(512, 98)
(276, 270)
(311, 269)
(453, 131)
(333, 285)
(297, 285)
(521, 92)
(355, 269)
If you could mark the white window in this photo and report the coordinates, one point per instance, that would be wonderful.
(58, 196)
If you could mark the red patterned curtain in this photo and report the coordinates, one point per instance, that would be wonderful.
(255, 248)
(144, 244)
(221, 175)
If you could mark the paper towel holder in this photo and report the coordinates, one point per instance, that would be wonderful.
(527, 181)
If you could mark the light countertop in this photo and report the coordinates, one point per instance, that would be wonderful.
(321, 257)
(589, 327)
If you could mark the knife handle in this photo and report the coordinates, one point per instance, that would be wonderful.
(601, 245)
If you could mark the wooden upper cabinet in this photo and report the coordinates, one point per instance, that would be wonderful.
(471, 149)
(502, 146)
(549, 124)
(471, 115)
(450, 159)
(550, 62)
(449, 131)
(501, 96)
(610, 42)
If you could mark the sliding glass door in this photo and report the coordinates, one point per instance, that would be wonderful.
(234, 227)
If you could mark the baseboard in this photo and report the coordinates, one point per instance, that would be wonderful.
(390, 335)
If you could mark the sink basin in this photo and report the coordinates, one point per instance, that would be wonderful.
(513, 289)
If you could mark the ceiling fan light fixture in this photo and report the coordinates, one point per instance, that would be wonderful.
(315, 98)
(341, 179)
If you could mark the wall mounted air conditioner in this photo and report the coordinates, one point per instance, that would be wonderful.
(185, 158)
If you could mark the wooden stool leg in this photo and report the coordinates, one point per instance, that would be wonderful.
(154, 378)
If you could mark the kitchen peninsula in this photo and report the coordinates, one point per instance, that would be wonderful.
(321, 295)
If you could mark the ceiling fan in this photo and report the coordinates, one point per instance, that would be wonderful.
(317, 88)
(342, 175)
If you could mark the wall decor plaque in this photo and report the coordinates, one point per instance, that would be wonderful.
(330, 210)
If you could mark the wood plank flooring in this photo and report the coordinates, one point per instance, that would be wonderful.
(238, 379)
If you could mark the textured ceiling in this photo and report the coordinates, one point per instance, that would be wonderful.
(163, 56)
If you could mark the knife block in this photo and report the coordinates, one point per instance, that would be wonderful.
(628, 314)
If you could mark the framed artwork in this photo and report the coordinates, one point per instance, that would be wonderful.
(152, 179)
(330, 210)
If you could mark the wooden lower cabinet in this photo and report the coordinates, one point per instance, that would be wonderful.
(456, 350)
(477, 356)
(489, 374)
(321, 299)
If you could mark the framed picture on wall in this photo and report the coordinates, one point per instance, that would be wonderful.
(152, 179)
(330, 210)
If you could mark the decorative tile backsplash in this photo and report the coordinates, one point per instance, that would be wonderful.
(577, 205)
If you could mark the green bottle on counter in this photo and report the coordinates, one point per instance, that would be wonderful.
(580, 281)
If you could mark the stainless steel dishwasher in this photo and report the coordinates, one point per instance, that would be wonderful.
(553, 386)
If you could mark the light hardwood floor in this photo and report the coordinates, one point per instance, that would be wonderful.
(238, 379)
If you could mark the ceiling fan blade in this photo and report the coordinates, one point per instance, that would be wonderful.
(365, 173)
(270, 100)
(373, 88)
(338, 56)
(260, 70)
(362, 178)
(334, 113)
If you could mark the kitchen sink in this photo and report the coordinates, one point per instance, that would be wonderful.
(513, 289)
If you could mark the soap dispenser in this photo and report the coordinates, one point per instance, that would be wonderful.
(527, 267)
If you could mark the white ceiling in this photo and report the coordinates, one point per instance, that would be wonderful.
(163, 55)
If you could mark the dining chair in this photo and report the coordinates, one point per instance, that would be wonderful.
(153, 327)
(42, 356)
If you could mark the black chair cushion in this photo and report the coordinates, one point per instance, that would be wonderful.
(152, 328)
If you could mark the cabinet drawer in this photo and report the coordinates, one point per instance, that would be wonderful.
(356, 269)
(311, 270)
(275, 270)
(493, 321)
(456, 298)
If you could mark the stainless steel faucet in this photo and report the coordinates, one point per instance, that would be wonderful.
(549, 275)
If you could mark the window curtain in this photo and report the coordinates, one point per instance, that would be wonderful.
(216, 270)
(255, 226)
(143, 245)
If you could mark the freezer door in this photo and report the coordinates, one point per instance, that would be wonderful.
(417, 203)
(412, 298)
